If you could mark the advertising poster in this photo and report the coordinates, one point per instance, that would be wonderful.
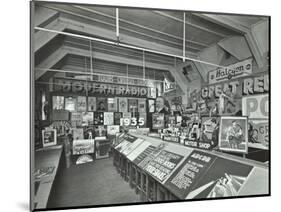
(117, 117)
(112, 104)
(70, 104)
(108, 118)
(233, 134)
(102, 148)
(92, 103)
(142, 105)
(224, 178)
(81, 103)
(58, 102)
(258, 131)
(76, 119)
(87, 118)
(163, 164)
(256, 106)
(113, 129)
(133, 105)
(187, 175)
(209, 131)
(158, 121)
(98, 118)
(123, 105)
(101, 104)
(83, 146)
(89, 132)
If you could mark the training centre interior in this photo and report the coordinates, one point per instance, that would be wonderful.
(138, 105)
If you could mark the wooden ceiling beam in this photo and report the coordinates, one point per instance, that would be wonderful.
(235, 26)
(190, 24)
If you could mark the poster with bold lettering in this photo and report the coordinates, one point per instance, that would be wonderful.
(258, 134)
(256, 106)
(163, 164)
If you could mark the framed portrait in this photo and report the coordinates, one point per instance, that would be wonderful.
(233, 134)
(49, 137)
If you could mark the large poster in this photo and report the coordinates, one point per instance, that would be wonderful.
(83, 146)
(163, 164)
(256, 106)
(258, 134)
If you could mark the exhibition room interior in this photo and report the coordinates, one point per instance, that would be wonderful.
(141, 105)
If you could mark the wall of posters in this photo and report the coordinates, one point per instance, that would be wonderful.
(92, 103)
(81, 103)
(123, 105)
(256, 106)
(233, 134)
(108, 118)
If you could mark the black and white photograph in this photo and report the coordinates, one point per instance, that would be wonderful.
(138, 105)
(233, 135)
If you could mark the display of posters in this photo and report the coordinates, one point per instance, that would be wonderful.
(189, 173)
(77, 133)
(102, 104)
(258, 131)
(58, 102)
(142, 105)
(123, 105)
(49, 137)
(112, 104)
(70, 103)
(256, 106)
(163, 164)
(113, 129)
(100, 131)
(224, 178)
(98, 118)
(81, 103)
(240, 69)
(233, 134)
(83, 146)
(87, 118)
(210, 130)
(76, 119)
(117, 117)
(92, 103)
(151, 105)
(108, 118)
(158, 121)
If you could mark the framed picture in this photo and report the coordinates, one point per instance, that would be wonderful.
(49, 137)
(233, 134)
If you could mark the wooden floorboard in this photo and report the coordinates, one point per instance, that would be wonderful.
(94, 183)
